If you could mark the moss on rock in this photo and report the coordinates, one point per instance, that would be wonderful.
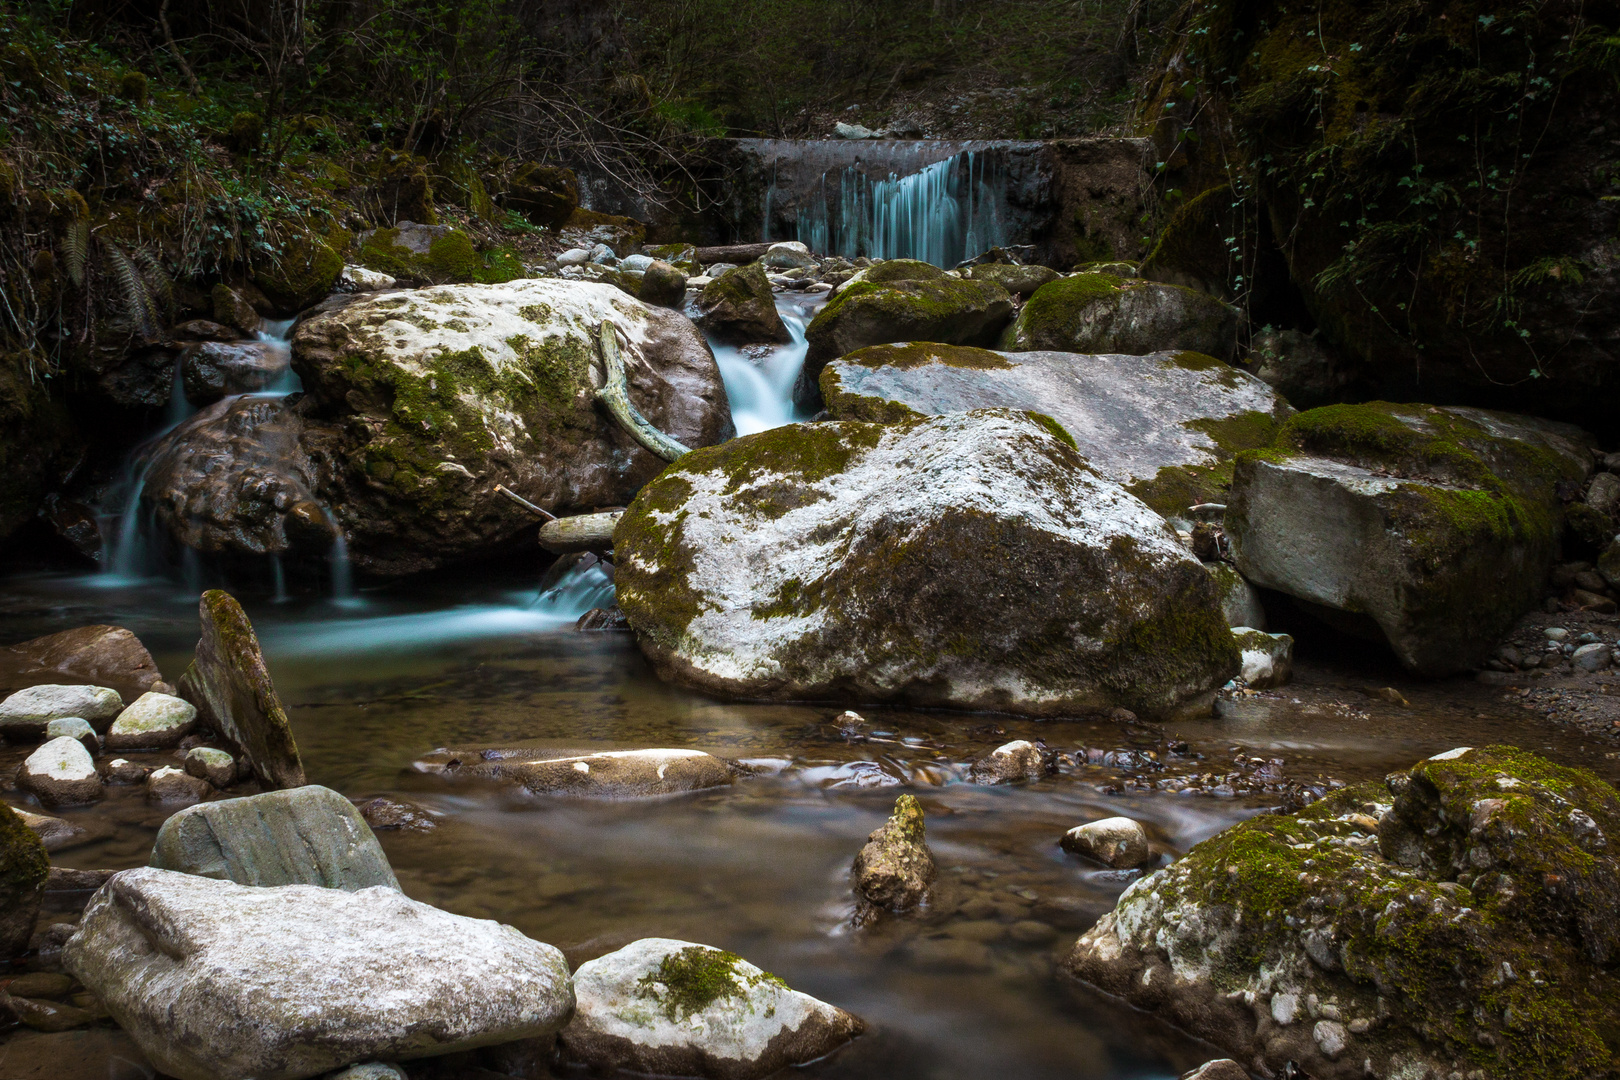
(1101, 313)
(301, 274)
(23, 870)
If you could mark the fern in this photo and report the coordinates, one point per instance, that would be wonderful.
(138, 302)
(76, 248)
(158, 282)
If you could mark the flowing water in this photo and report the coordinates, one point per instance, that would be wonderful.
(759, 378)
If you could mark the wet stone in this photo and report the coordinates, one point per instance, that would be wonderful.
(215, 766)
(61, 773)
(153, 721)
(172, 785)
(25, 714)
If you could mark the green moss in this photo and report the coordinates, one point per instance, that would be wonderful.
(907, 820)
(1053, 313)
(1225, 373)
(1199, 241)
(1057, 430)
(915, 354)
(302, 273)
(23, 863)
(132, 88)
(892, 270)
(499, 265)
(450, 258)
(689, 981)
(867, 408)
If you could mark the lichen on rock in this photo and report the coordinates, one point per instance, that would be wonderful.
(894, 870)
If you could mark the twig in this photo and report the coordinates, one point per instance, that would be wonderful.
(525, 503)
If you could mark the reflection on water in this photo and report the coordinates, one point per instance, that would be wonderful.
(967, 990)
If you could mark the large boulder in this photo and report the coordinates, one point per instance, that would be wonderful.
(26, 714)
(545, 194)
(422, 402)
(305, 836)
(836, 560)
(739, 308)
(605, 774)
(1100, 313)
(104, 655)
(1165, 426)
(211, 369)
(902, 300)
(1462, 917)
(1431, 528)
(23, 870)
(219, 981)
(231, 688)
(674, 1008)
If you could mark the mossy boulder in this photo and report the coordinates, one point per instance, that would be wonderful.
(423, 254)
(894, 870)
(545, 194)
(1016, 279)
(1165, 425)
(1432, 528)
(1101, 313)
(1460, 918)
(23, 869)
(837, 561)
(739, 308)
(900, 301)
(301, 273)
(419, 403)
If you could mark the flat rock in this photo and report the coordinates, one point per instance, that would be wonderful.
(833, 561)
(25, 714)
(231, 688)
(894, 870)
(607, 774)
(328, 977)
(675, 1008)
(23, 872)
(1119, 842)
(308, 835)
(61, 773)
(100, 654)
(1162, 425)
(151, 722)
(53, 832)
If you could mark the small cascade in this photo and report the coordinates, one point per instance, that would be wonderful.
(759, 378)
(581, 588)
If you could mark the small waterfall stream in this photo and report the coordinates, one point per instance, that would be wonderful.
(759, 378)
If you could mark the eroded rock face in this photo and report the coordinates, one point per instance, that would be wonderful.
(421, 402)
(1100, 313)
(675, 1008)
(215, 979)
(1164, 425)
(1417, 925)
(894, 869)
(738, 307)
(1434, 527)
(834, 561)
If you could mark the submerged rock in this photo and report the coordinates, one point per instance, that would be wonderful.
(53, 832)
(23, 871)
(1164, 425)
(606, 774)
(152, 721)
(327, 977)
(25, 714)
(105, 655)
(675, 1008)
(231, 688)
(1463, 915)
(739, 308)
(1119, 842)
(1100, 313)
(835, 561)
(61, 773)
(1011, 762)
(382, 813)
(423, 401)
(307, 836)
(1432, 528)
(900, 300)
(894, 870)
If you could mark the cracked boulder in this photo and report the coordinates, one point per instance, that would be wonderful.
(1459, 918)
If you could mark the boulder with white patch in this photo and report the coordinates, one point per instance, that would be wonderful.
(605, 774)
(1163, 425)
(1268, 659)
(674, 1008)
(61, 773)
(25, 714)
(152, 720)
(217, 980)
(423, 401)
(1407, 928)
(1120, 842)
(971, 560)
(1011, 762)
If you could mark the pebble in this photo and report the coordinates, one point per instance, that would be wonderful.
(1555, 633)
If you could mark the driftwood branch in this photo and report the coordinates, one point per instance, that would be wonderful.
(525, 503)
(582, 532)
(615, 394)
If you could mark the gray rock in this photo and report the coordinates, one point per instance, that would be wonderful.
(1268, 659)
(73, 727)
(789, 255)
(1603, 494)
(53, 832)
(328, 977)
(1010, 762)
(574, 257)
(309, 835)
(1016, 279)
(359, 279)
(1300, 368)
(738, 307)
(172, 785)
(854, 131)
(834, 561)
(1437, 534)
(894, 870)
(152, 721)
(124, 771)
(231, 688)
(663, 285)
(1594, 657)
(1100, 313)
(675, 1008)
(637, 262)
(25, 714)
(1240, 601)
(1119, 842)
(61, 773)
(1161, 425)
(215, 766)
(371, 1070)
(102, 655)
(607, 774)
(390, 814)
(602, 255)
(24, 870)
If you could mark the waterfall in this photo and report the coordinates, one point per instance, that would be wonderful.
(759, 378)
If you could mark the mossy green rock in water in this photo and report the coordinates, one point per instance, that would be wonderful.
(1165, 425)
(421, 402)
(971, 560)
(1460, 919)
(899, 301)
(300, 274)
(23, 869)
(1100, 313)
(1433, 528)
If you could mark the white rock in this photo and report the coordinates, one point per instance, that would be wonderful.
(74, 727)
(854, 131)
(637, 263)
(574, 257)
(636, 1012)
(359, 279)
(1119, 842)
(61, 773)
(24, 714)
(1017, 760)
(1331, 1038)
(153, 720)
(789, 255)
(1268, 659)
(216, 980)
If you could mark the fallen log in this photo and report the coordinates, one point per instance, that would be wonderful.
(582, 532)
(615, 394)
(741, 254)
